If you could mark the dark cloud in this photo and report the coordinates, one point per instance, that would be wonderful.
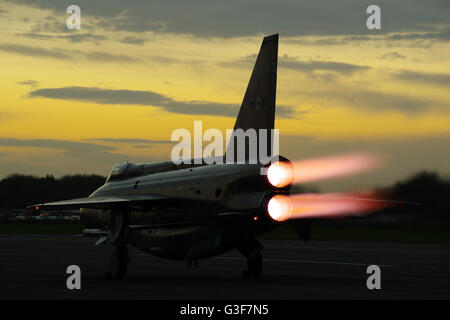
(102, 96)
(216, 18)
(146, 98)
(134, 40)
(440, 35)
(440, 79)
(316, 65)
(202, 107)
(423, 39)
(32, 83)
(319, 69)
(287, 112)
(34, 51)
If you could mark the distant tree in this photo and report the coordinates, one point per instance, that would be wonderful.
(428, 188)
(19, 191)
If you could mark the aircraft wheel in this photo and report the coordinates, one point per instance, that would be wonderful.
(118, 265)
(254, 267)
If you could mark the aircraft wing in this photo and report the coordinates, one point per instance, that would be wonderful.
(98, 202)
(226, 215)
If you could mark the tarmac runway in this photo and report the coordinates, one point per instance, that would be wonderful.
(34, 267)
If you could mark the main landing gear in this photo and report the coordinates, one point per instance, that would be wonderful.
(254, 266)
(251, 248)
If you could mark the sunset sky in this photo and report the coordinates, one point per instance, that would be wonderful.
(78, 101)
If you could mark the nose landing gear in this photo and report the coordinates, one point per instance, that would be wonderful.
(118, 262)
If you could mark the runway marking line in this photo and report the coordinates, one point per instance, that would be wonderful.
(312, 261)
(299, 261)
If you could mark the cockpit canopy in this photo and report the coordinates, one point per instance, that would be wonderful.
(125, 170)
(119, 170)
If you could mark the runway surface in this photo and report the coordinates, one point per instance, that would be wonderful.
(34, 267)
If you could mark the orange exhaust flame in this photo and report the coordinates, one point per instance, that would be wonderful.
(331, 205)
(281, 174)
(279, 207)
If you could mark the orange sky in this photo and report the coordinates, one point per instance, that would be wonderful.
(382, 95)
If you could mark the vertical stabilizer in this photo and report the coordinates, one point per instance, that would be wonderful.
(258, 106)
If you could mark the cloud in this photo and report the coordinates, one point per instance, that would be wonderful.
(76, 37)
(235, 18)
(201, 107)
(78, 157)
(34, 51)
(440, 79)
(164, 59)
(392, 56)
(70, 147)
(440, 35)
(56, 53)
(31, 83)
(145, 98)
(134, 40)
(317, 65)
(319, 69)
(423, 39)
(127, 140)
(374, 101)
(108, 57)
(102, 96)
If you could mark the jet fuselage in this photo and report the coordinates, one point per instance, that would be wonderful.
(194, 193)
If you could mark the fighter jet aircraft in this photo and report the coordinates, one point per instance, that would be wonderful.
(193, 211)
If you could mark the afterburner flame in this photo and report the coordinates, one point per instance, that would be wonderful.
(281, 174)
(332, 205)
(323, 168)
(279, 207)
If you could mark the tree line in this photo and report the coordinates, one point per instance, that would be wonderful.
(428, 188)
(19, 191)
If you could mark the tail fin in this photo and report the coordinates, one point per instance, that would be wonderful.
(258, 107)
